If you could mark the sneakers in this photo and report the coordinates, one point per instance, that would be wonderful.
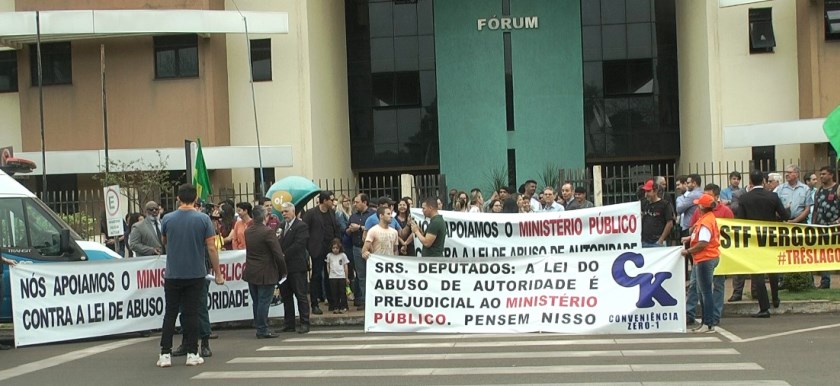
(193, 360)
(165, 360)
(704, 329)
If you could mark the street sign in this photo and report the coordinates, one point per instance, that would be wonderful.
(113, 215)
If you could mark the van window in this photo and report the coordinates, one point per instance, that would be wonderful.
(43, 233)
(12, 227)
(25, 225)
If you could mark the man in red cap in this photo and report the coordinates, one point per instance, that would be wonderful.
(657, 217)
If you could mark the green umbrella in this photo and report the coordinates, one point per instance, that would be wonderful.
(295, 189)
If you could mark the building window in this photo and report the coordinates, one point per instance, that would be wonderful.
(832, 19)
(764, 158)
(176, 56)
(628, 77)
(55, 64)
(261, 60)
(762, 39)
(8, 71)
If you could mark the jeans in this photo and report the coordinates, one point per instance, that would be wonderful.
(178, 293)
(260, 301)
(646, 244)
(361, 273)
(691, 296)
(718, 295)
(705, 274)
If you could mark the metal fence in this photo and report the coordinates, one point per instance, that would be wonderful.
(84, 210)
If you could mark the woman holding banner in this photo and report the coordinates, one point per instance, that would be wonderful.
(704, 243)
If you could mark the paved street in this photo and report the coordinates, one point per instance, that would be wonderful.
(786, 349)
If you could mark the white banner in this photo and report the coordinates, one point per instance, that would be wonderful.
(603, 228)
(62, 301)
(613, 292)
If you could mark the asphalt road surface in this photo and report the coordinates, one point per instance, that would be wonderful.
(783, 350)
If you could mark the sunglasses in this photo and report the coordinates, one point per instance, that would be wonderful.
(152, 209)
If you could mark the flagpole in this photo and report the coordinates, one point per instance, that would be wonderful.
(104, 107)
(41, 105)
(253, 99)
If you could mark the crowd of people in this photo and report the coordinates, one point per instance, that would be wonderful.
(299, 257)
(524, 200)
(320, 257)
(767, 197)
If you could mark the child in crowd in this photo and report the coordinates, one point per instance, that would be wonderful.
(337, 267)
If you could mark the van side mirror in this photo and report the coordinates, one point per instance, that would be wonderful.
(64, 241)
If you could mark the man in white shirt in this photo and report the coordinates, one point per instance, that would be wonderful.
(548, 204)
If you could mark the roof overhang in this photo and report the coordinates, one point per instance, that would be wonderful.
(20, 28)
(774, 133)
(221, 157)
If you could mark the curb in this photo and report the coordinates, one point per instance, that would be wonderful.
(746, 308)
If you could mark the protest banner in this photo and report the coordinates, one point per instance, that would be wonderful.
(63, 301)
(605, 228)
(609, 292)
(749, 246)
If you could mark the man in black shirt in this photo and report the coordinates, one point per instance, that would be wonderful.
(356, 228)
(323, 228)
(657, 217)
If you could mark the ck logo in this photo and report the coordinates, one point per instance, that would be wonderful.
(650, 285)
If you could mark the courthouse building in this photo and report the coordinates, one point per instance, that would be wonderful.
(385, 87)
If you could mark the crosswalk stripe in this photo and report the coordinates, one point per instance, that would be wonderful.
(487, 355)
(521, 343)
(756, 382)
(319, 332)
(335, 373)
(387, 337)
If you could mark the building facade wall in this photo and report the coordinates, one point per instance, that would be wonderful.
(305, 103)
(329, 123)
(474, 139)
(757, 88)
(818, 59)
(722, 83)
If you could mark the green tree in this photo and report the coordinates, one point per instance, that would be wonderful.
(140, 180)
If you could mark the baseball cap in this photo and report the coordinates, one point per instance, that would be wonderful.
(648, 186)
(705, 201)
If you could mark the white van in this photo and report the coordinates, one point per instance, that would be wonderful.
(31, 232)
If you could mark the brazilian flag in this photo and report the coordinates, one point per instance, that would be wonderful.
(201, 179)
(832, 128)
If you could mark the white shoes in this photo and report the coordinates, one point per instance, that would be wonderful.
(194, 360)
(165, 360)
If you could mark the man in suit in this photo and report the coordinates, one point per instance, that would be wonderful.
(323, 228)
(293, 240)
(144, 238)
(764, 205)
(264, 266)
